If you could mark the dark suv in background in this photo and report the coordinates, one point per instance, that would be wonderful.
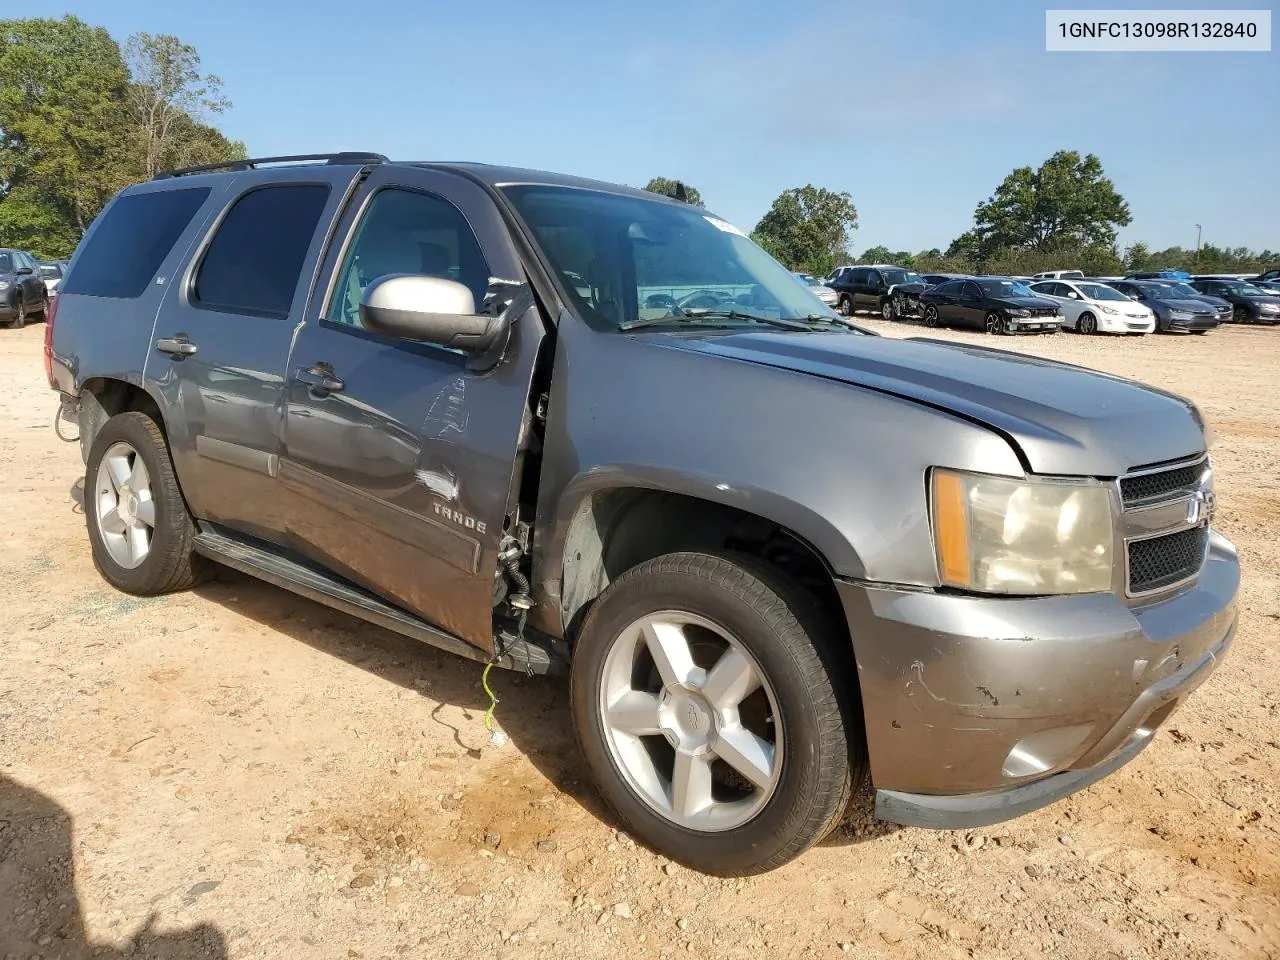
(22, 290)
(885, 289)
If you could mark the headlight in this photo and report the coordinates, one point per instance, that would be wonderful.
(1105, 309)
(1001, 535)
(4, 285)
(1179, 315)
(1019, 313)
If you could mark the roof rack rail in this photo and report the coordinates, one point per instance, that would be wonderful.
(346, 157)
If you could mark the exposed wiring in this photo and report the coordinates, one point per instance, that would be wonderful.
(496, 737)
(57, 428)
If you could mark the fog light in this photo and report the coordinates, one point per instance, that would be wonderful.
(1046, 750)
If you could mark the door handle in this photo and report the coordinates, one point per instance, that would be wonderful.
(318, 379)
(177, 347)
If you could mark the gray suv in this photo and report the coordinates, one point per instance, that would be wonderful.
(564, 426)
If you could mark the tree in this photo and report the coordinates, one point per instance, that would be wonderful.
(879, 254)
(63, 130)
(806, 227)
(1136, 256)
(672, 188)
(1067, 202)
(168, 96)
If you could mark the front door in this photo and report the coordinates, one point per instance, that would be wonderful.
(398, 458)
(221, 341)
(969, 308)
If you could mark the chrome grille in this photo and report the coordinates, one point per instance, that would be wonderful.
(1160, 486)
(1163, 561)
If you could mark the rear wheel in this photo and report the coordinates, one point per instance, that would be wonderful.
(931, 318)
(1087, 323)
(846, 305)
(139, 529)
(713, 711)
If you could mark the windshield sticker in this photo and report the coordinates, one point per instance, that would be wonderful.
(723, 225)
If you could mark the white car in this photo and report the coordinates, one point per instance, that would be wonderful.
(1089, 307)
(1059, 275)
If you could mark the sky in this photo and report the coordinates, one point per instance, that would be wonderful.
(917, 108)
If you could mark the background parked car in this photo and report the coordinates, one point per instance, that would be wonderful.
(884, 288)
(994, 304)
(1188, 292)
(1059, 275)
(1250, 304)
(1180, 275)
(1175, 312)
(1273, 275)
(818, 288)
(933, 279)
(1096, 308)
(51, 272)
(22, 292)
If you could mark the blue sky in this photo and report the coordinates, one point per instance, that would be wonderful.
(918, 109)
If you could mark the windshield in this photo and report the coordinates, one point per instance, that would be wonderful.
(50, 270)
(628, 259)
(808, 280)
(1246, 290)
(894, 277)
(1096, 291)
(1005, 288)
(1184, 290)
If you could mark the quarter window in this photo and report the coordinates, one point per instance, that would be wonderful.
(131, 241)
(255, 259)
(407, 232)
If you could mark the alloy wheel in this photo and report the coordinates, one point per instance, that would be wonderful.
(993, 322)
(691, 721)
(886, 310)
(20, 316)
(124, 506)
(930, 316)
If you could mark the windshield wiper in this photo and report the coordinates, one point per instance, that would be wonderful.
(690, 315)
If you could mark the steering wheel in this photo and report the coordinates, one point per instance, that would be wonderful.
(698, 300)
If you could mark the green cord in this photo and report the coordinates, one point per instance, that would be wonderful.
(493, 698)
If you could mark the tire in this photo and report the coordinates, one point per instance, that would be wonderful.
(994, 323)
(887, 311)
(115, 510)
(20, 317)
(807, 694)
(44, 307)
(1240, 315)
(931, 318)
(845, 305)
(1087, 324)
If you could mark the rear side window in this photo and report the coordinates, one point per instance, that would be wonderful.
(127, 247)
(254, 261)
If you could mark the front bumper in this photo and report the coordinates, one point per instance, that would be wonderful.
(1036, 324)
(983, 708)
(1123, 324)
(1196, 323)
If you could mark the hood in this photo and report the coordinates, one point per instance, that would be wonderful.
(1064, 420)
(916, 288)
(1026, 303)
(1194, 306)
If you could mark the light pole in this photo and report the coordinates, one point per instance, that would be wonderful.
(1197, 238)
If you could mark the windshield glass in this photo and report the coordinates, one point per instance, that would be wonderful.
(625, 259)
(1005, 288)
(808, 280)
(1096, 291)
(1246, 290)
(1185, 290)
(893, 277)
(50, 270)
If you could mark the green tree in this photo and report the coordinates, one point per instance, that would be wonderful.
(169, 100)
(1136, 256)
(878, 254)
(63, 130)
(807, 228)
(1067, 203)
(671, 188)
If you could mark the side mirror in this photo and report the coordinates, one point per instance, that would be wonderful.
(429, 310)
(24, 271)
(1073, 295)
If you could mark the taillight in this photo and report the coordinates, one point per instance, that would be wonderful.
(49, 317)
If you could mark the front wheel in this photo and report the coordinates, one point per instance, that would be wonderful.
(20, 314)
(1240, 315)
(994, 323)
(887, 311)
(1087, 324)
(713, 707)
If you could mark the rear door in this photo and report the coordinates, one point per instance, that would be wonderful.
(222, 338)
(399, 458)
(868, 293)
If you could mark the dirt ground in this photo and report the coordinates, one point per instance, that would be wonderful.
(236, 772)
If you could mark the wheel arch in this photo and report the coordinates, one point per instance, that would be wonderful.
(102, 398)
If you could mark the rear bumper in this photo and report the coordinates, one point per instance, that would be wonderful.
(981, 708)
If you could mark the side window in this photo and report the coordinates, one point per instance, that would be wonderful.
(858, 275)
(972, 291)
(874, 278)
(254, 260)
(407, 232)
(134, 236)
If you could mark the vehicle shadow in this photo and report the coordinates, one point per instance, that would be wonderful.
(533, 711)
(40, 915)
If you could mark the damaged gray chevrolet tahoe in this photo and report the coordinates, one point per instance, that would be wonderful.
(565, 425)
